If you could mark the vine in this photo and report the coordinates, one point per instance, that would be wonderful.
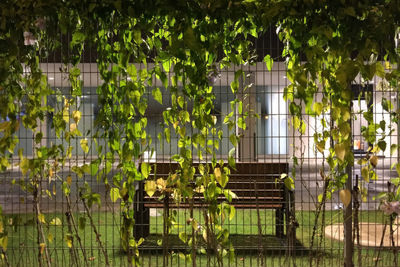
(181, 49)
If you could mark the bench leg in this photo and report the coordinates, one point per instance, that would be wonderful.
(141, 214)
(279, 214)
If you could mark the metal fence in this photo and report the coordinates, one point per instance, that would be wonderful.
(273, 225)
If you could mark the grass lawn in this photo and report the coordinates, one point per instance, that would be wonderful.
(22, 247)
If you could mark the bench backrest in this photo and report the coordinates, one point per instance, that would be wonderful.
(255, 184)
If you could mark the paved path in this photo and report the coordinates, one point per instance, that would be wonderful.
(370, 234)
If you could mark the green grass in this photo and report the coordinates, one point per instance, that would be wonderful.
(22, 247)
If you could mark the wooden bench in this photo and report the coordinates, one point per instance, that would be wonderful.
(257, 185)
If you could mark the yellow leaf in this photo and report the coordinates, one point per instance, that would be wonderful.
(217, 173)
(56, 221)
(69, 180)
(365, 173)
(68, 239)
(76, 115)
(41, 218)
(5, 125)
(340, 150)
(318, 107)
(161, 184)
(50, 237)
(51, 173)
(205, 235)
(199, 189)
(320, 146)
(345, 197)
(4, 242)
(150, 187)
(66, 115)
(195, 225)
(214, 119)
(24, 165)
(69, 152)
(374, 161)
(1, 227)
(72, 127)
(42, 246)
(84, 145)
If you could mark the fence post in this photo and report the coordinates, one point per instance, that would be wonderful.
(348, 211)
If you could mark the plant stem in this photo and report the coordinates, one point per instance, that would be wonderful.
(394, 249)
(93, 225)
(260, 245)
(71, 217)
(381, 244)
(166, 230)
(40, 234)
(72, 249)
(193, 234)
(5, 258)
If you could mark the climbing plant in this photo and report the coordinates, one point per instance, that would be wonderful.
(181, 48)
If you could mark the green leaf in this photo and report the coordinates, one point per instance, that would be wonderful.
(387, 105)
(82, 223)
(241, 123)
(398, 169)
(157, 95)
(231, 158)
(233, 139)
(318, 107)
(268, 61)
(24, 165)
(345, 130)
(393, 148)
(145, 169)
(132, 71)
(114, 194)
(382, 145)
(167, 133)
(182, 236)
(289, 183)
(221, 178)
(75, 72)
(93, 168)
(78, 38)
(232, 212)
(167, 65)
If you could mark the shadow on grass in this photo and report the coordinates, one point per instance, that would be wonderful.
(248, 244)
